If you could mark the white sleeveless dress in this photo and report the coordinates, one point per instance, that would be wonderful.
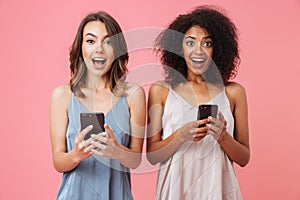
(197, 170)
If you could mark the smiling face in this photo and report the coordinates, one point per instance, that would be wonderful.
(197, 49)
(97, 49)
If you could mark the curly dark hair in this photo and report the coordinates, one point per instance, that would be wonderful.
(225, 45)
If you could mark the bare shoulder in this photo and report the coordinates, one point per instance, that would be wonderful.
(61, 94)
(159, 91)
(234, 90)
(236, 93)
(134, 89)
(160, 88)
(135, 93)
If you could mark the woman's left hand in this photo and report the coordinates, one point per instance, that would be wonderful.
(106, 144)
(217, 127)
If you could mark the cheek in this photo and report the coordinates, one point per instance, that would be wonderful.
(186, 52)
(87, 50)
(110, 53)
(209, 52)
(84, 52)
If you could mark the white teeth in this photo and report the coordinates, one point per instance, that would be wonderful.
(99, 59)
(198, 59)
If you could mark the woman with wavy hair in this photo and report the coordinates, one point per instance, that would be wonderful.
(200, 54)
(97, 167)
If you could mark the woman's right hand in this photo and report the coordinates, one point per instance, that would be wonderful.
(82, 148)
(192, 132)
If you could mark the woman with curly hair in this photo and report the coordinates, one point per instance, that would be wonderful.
(200, 54)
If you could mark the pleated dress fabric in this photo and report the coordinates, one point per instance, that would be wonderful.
(197, 170)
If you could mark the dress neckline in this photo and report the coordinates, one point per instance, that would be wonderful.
(188, 103)
(87, 110)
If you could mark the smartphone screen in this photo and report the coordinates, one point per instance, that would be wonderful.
(95, 119)
(206, 110)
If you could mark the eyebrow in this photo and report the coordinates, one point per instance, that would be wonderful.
(91, 34)
(194, 38)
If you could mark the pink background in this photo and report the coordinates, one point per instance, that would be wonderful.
(36, 35)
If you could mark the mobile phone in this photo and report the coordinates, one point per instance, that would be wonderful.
(92, 118)
(206, 110)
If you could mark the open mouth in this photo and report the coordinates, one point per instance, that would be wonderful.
(198, 60)
(99, 62)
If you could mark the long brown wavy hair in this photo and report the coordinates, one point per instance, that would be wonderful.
(117, 71)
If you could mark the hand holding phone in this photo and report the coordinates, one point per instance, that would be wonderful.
(96, 119)
(206, 110)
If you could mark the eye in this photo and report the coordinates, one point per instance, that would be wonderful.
(190, 43)
(207, 44)
(90, 41)
(107, 42)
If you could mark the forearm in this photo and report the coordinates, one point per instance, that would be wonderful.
(237, 152)
(129, 158)
(161, 150)
(64, 162)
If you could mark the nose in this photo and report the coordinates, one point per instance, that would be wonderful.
(99, 47)
(199, 48)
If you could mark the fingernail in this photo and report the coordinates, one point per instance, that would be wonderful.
(90, 126)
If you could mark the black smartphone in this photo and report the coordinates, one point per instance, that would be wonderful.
(96, 119)
(206, 110)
